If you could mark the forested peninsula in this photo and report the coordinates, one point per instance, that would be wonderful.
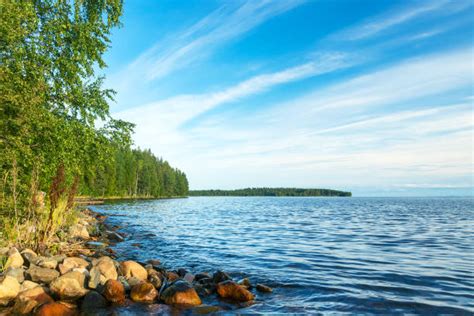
(270, 192)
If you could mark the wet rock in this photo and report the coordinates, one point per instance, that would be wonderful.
(143, 292)
(9, 289)
(155, 279)
(111, 235)
(172, 276)
(132, 269)
(27, 300)
(202, 275)
(182, 272)
(44, 275)
(154, 262)
(263, 288)
(79, 231)
(188, 277)
(96, 244)
(27, 285)
(114, 291)
(92, 301)
(206, 309)
(181, 293)
(71, 263)
(29, 256)
(231, 290)
(246, 283)
(46, 262)
(69, 286)
(220, 276)
(15, 260)
(55, 309)
(202, 291)
(17, 273)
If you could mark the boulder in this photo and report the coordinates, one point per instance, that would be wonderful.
(220, 276)
(27, 285)
(71, 263)
(202, 275)
(133, 269)
(114, 291)
(172, 276)
(94, 278)
(263, 288)
(181, 293)
(17, 273)
(233, 291)
(105, 268)
(92, 301)
(56, 309)
(155, 279)
(79, 231)
(44, 275)
(29, 256)
(15, 260)
(9, 289)
(143, 292)
(46, 262)
(27, 300)
(69, 286)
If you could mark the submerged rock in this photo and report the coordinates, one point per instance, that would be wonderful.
(181, 293)
(202, 275)
(231, 290)
(133, 269)
(69, 286)
(143, 292)
(263, 288)
(114, 291)
(246, 283)
(27, 300)
(43, 275)
(9, 289)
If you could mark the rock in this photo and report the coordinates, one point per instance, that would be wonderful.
(133, 281)
(132, 269)
(155, 279)
(114, 291)
(182, 272)
(114, 236)
(9, 289)
(172, 276)
(96, 244)
(263, 288)
(15, 260)
(27, 300)
(46, 262)
(69, 286)
(189, 277)
(55, 309)
(27, 285)
(59, 258)
(154, 262)
(202, 291)
(94, 278)
(82, 270)
(231, 290)
(43, 275)
(220, 276)
(71, 263)
(202, 275)
(4, 251)
(29, 256)
(125, 284)
(206, 309)
(181, 293)
(106, 269)
(143, 292)
(92, 301)
(17, 273)
(246, 283)
(79, 231)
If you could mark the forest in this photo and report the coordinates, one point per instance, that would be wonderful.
(270, 192)
(58, 138)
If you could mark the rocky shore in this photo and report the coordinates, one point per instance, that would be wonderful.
(87, 279)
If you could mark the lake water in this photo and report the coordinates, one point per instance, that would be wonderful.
(321, 255)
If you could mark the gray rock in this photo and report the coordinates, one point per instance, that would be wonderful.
(45, 275)
(69, 286)
(46, 262)
(17, 273)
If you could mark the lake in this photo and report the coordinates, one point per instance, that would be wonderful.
(320, 255)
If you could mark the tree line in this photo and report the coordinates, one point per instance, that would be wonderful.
(270, 192)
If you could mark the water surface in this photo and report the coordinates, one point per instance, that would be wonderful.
(321, 255)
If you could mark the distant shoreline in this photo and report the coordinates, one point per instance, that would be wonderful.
(277, 192)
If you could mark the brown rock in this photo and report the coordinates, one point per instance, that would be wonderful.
(71, 263)
(132, 269)
(27, 300)
(56, 309)
(44, 275)
(9, 289)
(181, 293)
(263, 288)
(220, 276)
(106, 268)
(155, 279)
(79, 231)
(69, 286)
(143, 292)
(114, 291)
(15, 260)
(17, 273)
(172, 276)
(246, 283)
(46, 262)
(231, 290)
(27, 285)
(29, 255)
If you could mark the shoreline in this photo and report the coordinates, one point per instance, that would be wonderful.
(86, 277)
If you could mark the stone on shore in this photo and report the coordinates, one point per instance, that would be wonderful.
(79, 231)
(15, 260)
(220, 276)
(143, 292)
(29, 256)
(114, 291)
(133, 269)
(231, 290)
(172, 276)
(9, 289)
(43, 275)
(181, 293)
(27, 300)
(17, 273)
(202, 275)
(55, 309)
(263, 288)
(103, 270)
(69, 286)
(46, 262)
(27, 285)
(155, 279)
(92, 301)
(71, 263)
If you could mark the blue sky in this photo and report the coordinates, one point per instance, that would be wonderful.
(375, 97)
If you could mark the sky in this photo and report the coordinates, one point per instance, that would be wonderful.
(373, 97)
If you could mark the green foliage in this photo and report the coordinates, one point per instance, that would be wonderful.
(270, 192)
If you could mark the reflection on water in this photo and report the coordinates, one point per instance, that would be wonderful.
(355, 255)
